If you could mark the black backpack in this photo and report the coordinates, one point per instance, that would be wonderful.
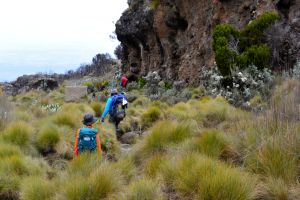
(119, 104)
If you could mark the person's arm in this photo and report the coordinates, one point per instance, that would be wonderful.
(98, 144)
(76, 144)
(107, 108)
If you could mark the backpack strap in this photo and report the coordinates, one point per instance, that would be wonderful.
(76, 152)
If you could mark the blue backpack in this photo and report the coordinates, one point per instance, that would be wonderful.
(87, 140)
(119, 104)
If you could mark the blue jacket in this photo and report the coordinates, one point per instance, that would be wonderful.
(107, 108)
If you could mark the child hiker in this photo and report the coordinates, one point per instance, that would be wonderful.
(87, 138)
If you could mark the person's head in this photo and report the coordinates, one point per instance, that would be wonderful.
(89, 119)
(113, 92)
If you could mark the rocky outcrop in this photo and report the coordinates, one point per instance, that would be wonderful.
(174, 37)
(29, 82)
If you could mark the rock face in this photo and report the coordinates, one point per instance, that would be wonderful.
(174, 37)
(29, 82)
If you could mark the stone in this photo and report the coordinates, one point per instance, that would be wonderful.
(129, 138)
(75, 93)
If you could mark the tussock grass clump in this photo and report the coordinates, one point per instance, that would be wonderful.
(99, 183)
(47, 139)
(7, 150)
(97, 107)
(164, 133)
(275, 160)
(66, 119)
(18, 133)
(211, 143)
(150, 116)
(196, 177)
(145, 189)
(84, 164)
(126, 168)
(37, 188)
(9, 187)
(273, 189)
(154, 164)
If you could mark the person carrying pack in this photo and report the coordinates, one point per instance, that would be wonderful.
(115, 106)
(87, 138)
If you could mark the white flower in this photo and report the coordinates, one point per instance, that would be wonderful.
(244, 79)
(214, 90)
(237, 85)
(240, 74)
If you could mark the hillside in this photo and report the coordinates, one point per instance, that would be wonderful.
(200, 149)
(175, 37)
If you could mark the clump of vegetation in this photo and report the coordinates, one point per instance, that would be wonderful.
(18, 133)
(196, 177)
(144, 189)
(66, 119)
(150, 116)
(37, 188)
(97, 107)
(47, 139)
(243, 48)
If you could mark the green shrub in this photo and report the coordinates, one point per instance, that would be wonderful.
(150, 116)
(36, 188)
(17, 133)
(257, 55)
(145, 189)
(47, 139)
(88, 84)
(252, 34)
(142, 82)
(250, 50)
(96, 106)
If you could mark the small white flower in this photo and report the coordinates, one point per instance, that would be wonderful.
(244, 79)
(240, 74)
(237, 85)
(214, 90)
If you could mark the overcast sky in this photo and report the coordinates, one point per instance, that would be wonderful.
(54, 35)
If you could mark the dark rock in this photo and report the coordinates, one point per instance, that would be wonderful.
(175, 38)
(129, 138)
(29, 82)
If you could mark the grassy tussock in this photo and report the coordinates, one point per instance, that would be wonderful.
(196, 177)
(145, 189)
(97, 107)
(18, 133)
(7, 150)
(211, 143)
(37, 188)
(127, 168)
(273, 159)
(99, 183)
(150, 116)
(153, 165)
(47, 138)
(165, 133)
(66, 119)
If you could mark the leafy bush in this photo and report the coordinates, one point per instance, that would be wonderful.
(246, 84)
(17, 133)
(235, 48)
(47, 139)
(252, 34)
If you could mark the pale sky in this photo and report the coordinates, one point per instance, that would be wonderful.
(54, 35)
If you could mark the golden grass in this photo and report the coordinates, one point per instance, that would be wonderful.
(37, 188)
(145, 189)
(47, 138)
(196, 177)
(18, 133)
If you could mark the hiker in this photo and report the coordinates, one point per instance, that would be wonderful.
(87, 138)
(115, 106)
(124, 81)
